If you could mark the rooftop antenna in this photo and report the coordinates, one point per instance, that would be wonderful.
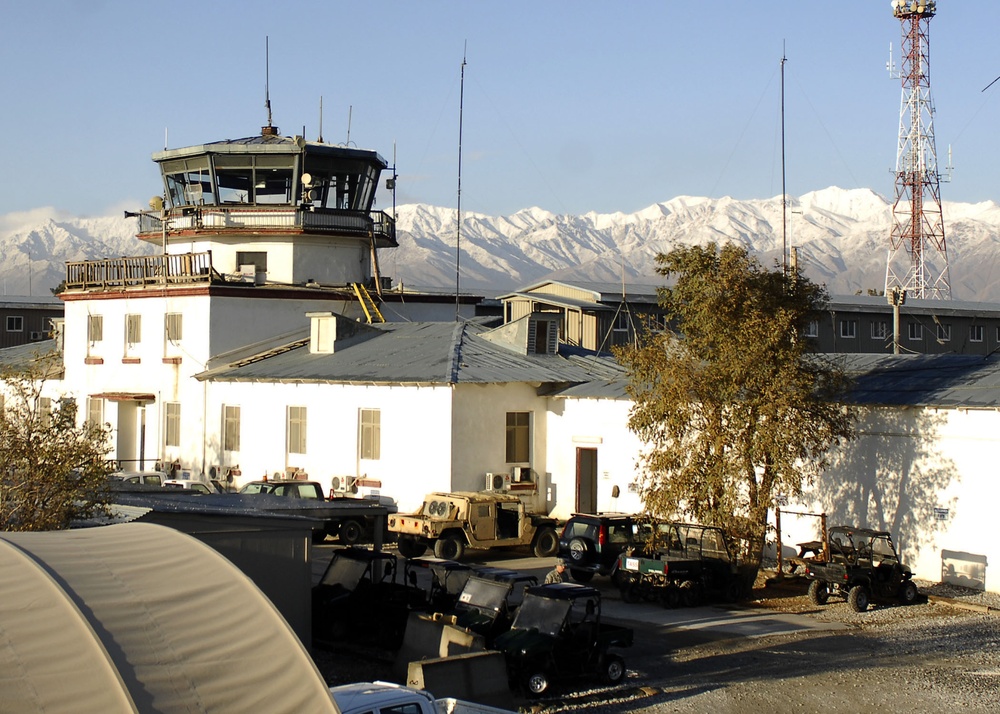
(320, 139)
(784, 195)
(268, 130)
(350, 111)
(458, 236)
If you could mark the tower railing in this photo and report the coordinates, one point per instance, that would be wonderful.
(278, 219)
(140, 271)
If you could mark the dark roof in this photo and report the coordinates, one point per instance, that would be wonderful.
(414, 353)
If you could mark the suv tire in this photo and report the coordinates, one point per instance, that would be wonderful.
(580, 550)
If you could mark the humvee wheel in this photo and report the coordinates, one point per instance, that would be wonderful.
(546, 543)
(449, 547)
(908, 593)
(537, 684)
(819, 592)
(614, 669)
(858, 599)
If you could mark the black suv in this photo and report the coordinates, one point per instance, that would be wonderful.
(591, 543)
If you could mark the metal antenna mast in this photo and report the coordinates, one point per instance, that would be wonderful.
(458, 236)
(784, 194)
(918, 254)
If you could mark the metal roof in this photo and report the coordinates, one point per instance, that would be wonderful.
(416, 353)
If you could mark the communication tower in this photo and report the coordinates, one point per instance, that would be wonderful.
(918, 254)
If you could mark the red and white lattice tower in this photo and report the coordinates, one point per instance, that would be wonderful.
(918, 255)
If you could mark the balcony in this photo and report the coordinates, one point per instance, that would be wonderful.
(141, 271)
(265, 219)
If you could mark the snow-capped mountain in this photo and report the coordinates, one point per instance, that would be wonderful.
(841, 237)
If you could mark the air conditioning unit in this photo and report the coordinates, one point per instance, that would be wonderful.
(38, 335)
(344, 484)
(497, 482)
(520, 473)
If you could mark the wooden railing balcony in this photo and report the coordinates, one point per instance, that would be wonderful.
(236, 218)
(140, 271)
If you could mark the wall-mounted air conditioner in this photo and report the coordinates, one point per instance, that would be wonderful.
(497, 482)
(38, 335)
(344, 484)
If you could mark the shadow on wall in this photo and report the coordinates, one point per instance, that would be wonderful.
(890, 478)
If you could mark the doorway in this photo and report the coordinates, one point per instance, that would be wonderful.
(586, 480)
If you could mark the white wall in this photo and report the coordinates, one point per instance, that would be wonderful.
(600, 424)
(415, 440)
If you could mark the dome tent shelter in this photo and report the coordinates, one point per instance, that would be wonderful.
(141, 618)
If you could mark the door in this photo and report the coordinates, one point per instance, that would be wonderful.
(586, 480)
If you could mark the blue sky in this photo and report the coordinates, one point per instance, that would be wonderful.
(570, 106)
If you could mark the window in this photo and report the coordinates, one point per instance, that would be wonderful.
(812, 329)
(95, 328)
(230, 428)
(943, 332)
(849, 329)
(173, 325)
(15, 323)
(95, 411)
(172, 419)
(518, 437)
(880, 330)
(258, 259)
(976, 333)
(296, 430)
(915, 331)
(133, 329)
(44, 410)
(371, 433)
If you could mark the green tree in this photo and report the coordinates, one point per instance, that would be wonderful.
(52, 471)
(732, 409)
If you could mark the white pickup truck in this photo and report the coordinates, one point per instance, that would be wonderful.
(377, 697)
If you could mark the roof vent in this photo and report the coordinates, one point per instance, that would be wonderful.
(322, 332)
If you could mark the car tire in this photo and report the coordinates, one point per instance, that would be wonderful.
(546, 543)
(858, 598)
(410, 547)
(581, 576)
(671, 597)
(613, 669)
(580, 550)
(537, 684)
(908, 592)
(818, 592)
(689, 593)
(351, 532)
(449, 547)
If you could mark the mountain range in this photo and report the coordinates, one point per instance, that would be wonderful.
(841, 238)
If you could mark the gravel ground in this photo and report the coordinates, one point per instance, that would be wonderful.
(940, 654)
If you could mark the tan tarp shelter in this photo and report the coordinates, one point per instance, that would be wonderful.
(141, 618)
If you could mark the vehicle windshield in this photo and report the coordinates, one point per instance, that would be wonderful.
(346, 572)
(882, 551)
(483, 594)
(543, 614)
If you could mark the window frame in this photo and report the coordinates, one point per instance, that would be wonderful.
(853, 325)
(880, 330)
(517, 437)
(811, 329)
(296, 425)
(171, 423)
(943, 331)
(914, 331)
(133, 329)
(95, 404)
(173, 326)
(95, 328)
(977, 333)
(370, 434)
(15, 323)
(232, 425)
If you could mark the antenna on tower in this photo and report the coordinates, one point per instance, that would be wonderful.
(458, 234)
(350, 111)
(320, 139)
(268, 130)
